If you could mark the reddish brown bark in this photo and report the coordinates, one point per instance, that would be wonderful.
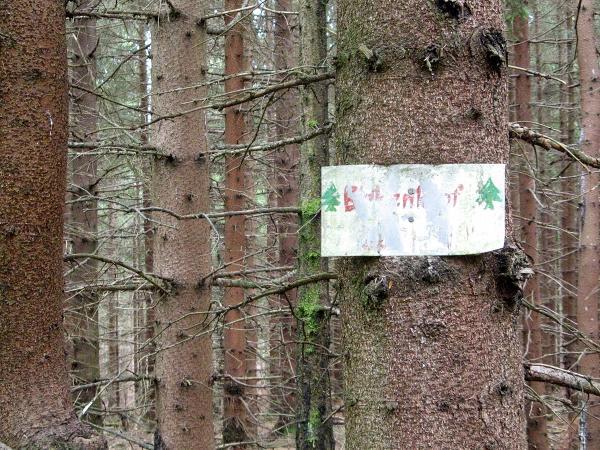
(435, 361)
(536, 422)
(182, 249)
(81, 319)
(235, 416)
(35, 407)
(568, 239)
(587, 290)
(286, 194)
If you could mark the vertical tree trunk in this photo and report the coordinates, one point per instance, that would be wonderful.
(286, 171)
(536, 422)
(145, 394)
(314, 429)
(235, 416)
(435, 360)
(35, 407)
(82, 313)
(587, 291)
(182, 248)
(569, 229)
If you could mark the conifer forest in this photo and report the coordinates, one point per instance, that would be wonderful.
(299, 224)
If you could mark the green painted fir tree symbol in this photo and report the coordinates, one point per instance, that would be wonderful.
(488, 193)
(331, 198)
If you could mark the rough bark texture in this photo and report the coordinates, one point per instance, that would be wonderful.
(314, 427)
(536, 422)
(587, 292)
(82, 318)
(35, 408)
(434, 360)
(235, 416)
(182, 249)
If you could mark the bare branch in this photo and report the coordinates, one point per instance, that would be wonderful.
(538, 74)
(562, 377)
(114, 14)
(247, 96)
(241, 148)
(215, 215)
(153, 279)
(517, 131)
(325, 276)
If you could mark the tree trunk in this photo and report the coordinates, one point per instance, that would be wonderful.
(587, 294)
(35, 407)
(435, 360)
(81, 319)
(536, 421)
(569, 230)
(285, 193)
(235, 416)
(182, 249)
(314, 429)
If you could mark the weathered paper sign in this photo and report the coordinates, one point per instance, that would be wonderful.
(412, 209)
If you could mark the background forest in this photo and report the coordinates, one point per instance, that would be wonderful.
(198, 313)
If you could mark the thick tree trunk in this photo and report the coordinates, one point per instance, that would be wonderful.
(587, 291)
(81, 319)
(435, 360)
(314, 428)
(182, 249)
(536, 421)
(35, 407)
(235, 416)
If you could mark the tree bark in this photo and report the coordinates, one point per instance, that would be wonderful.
(35, 407)
(587, 294)
(536, 421)
(81, 319)
(235, 417)
(434, 90)
(285, 194)
(182, 249)
(314, 428)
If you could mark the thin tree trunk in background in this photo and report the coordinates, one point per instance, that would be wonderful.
(536, 422)
(145, 313)
(286, 194)
(81, 319)
(314, 427)
(569, 230)
(435, 360)
(235, 416)
(182, 249)
(35, 406)
(587, 290)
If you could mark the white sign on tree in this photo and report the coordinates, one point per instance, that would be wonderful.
(412, 209)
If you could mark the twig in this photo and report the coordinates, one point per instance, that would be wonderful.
(81, 387)
(241, 148)
(122, 436)
(537, 74)
(154, 280)
(247, 96)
